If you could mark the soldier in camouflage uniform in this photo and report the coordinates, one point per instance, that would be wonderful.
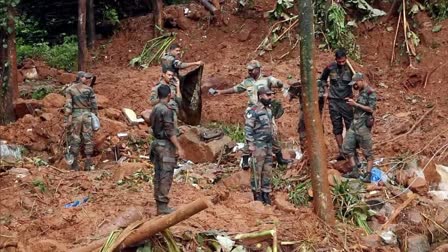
(259, 136)
(251, 84)
(360, 133)
(164, 149)
(339, 89)
(171, 60)
(80, 103)
(170, 80)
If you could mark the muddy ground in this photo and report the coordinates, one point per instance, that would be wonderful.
(34, 217)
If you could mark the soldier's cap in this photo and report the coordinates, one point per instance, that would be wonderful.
(253, 64)
(264, 90)
(356, 77)
(82, 74)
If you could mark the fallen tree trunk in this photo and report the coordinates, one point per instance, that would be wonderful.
(153, 226)
(209, 6)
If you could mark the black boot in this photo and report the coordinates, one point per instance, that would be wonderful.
(75, 165)
(280, 159)
(265, 198)
(88, 164)
(245, 163)
(353, 174)
(257, 196)
(163, 208)
(366, 177)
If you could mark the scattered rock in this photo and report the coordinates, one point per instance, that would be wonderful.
(102, 101)
(342, 166)
(442, 248)
(19, 172)
(199, 151)
(30, 73)
(123, 220)
(66, 78)
(414, 217)
(282, 203)
(26, 202)
(145, 115)
(127, 169)
(334, 177)
(45, 72)
(23, 107)
(417, 243)
(418, 185)
(112, 113)
(53, 100)
(372, 241)
(237, 180)
(245, 33)
(38, 146)
(46, 117)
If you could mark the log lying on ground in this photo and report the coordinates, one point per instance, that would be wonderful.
(209, 6)
(153, 226)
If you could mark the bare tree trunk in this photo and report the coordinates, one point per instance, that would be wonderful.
(157, 6)
(82, 45)
(8, 88)
(90, 24)
(313, 123)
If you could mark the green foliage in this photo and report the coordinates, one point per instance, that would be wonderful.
(234, 131)
(281, 8)
(153, 51)
(61, 56)
(349, 206)
(40, 185)
(437, 9)
(299, 195)
(4, 5)
(40, 93)
(28, 30)
(110, 14)
(338, 32)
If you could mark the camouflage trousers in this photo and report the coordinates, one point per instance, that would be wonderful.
(358, 136)
(163, 156)
(81, 132)
(261, 175)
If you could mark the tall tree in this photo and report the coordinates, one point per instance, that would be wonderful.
(90, 24)
(9, 90)
(313, 124)
(157, 10)
(82, 44)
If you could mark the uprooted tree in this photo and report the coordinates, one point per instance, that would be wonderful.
(8, 61)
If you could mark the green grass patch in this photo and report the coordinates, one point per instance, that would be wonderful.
(234, 131)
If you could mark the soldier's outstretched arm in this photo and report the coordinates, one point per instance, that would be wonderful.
(181, 65)
(274, 82)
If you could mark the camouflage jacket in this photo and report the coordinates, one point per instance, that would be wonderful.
(162, 122)
(340, 77)
(79, 97)
(250, 85)
(174, 103)
(171, 63)
(259, 124)
(366, 97)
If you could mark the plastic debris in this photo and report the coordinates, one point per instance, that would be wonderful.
(77, 203)
(9, 153)
(389, 237)
(225, 242)
(238, 146)
(377, 175)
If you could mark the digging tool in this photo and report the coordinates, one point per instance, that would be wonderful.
(350, 66)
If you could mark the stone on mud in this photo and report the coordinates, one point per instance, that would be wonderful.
(417, 243)
(126, 169)
(112, 113)
(53, 100)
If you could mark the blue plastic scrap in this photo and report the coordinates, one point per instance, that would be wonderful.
(76, 203)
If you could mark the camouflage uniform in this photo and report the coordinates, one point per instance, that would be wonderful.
(163, 151)
(359, 134)
(173, 103)
(250, 85)
(80, 102)
(259, 132)
(171, 63)
(340, 89)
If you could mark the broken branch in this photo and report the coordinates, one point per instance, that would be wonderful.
(392, 57)
(398, 210)
(209, 6)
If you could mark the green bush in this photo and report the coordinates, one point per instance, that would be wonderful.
(437, 9)
(61, 56)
